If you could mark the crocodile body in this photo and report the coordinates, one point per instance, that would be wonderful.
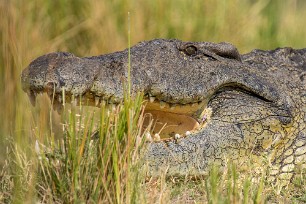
(235, 106)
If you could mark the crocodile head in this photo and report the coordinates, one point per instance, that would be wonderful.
(212, 101)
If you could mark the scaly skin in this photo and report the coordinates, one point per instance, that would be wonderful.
(249, 105)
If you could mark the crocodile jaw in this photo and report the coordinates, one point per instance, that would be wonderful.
(171, 121)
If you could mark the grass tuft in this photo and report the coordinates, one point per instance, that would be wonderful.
(93, 162)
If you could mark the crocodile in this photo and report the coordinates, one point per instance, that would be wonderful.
(209, 102)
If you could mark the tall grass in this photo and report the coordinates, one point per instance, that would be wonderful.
(29, 29)
(93, 161)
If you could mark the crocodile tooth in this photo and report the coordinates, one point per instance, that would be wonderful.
(152, 99)
(59, 99)
(103, 103)
(113, 107)
(162, 104)
(32, 97)
(97, 100)
(149, 137)
(177, 136)
(204, 118)
(187, 133)
(74, 101)
(156, 137)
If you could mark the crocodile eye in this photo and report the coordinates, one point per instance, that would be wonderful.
(191, 50)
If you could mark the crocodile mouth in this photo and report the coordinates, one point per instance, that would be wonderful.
(174, 121)
(162, 120)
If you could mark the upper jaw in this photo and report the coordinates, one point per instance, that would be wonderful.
(102, 78)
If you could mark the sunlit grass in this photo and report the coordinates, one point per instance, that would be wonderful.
(72, 167)
(94, 161)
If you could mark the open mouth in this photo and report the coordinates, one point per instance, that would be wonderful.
(166, 121)
(174, 121)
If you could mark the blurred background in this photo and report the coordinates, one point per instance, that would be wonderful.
(32, 28)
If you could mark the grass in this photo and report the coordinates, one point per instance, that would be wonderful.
(93, 162)
(77, 165)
